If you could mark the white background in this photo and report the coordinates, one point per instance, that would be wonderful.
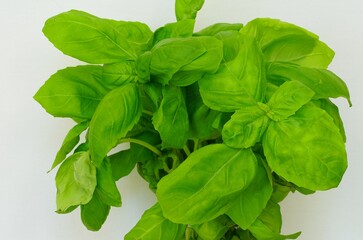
(29, 138)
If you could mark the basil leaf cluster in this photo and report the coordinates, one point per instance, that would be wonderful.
(222, 123)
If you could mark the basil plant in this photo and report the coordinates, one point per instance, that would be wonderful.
(223, 123)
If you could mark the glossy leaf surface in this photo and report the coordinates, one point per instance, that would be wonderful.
(183, 28)
(187, 9)
(202, 54)
(268, 224)
(118, 74)
(171, 119)
(202, 187)
(106, 186)
(251, 202)
(245, 128)
(323, 82)
(94, 213)
(154, 226)
(75, 181)
(73, 92)
(239, 80)
(118, 112)
(97, 40)
(282, 41)
(306, 149)
(287, 99)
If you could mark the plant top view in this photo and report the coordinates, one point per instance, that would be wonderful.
(223, 123)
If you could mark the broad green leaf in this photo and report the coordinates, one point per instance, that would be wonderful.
(251, 202)
(191, 54)
(333, 111)
(106, 186)
(282, 41)
(123, 162)
(72, 92)
(306, 149)
(75, 181)
(205, 184)
(154, 226)
(187, 9)
(197, 110)
(97, 40)
(214, 229)
(143, 67)
(171, 119)
(323, 82)
(70, 141)
(153, 91)
(94, 213)
(219, 27)
(183, 28)
(186, 78)
(117, 113)
(268, 224)
(238, 81)
(287, 99)
(245, 128)
(118, 74)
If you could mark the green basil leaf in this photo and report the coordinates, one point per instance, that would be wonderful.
(214, 229)
(94, 213)
(187, 9)
(154, 226)
(251, 202)
(238, 81)
(171, 119)
(118, 74)
(306, 149)
(219, 27)
(287, 99)
(280, 192)
(323, 82)
(245, 128)
(75, 181)
(204, 185)
(70, 141)
(117, 113)
(197, 110)
(97, 40)
(183, 28)
(73, 92)
(333, 111)
(106, 186)
(268, 224)
(123, 162)
(153, 91)
(202, 54)
(282, 41)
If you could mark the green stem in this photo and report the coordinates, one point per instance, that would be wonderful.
(142, 143)
(196, 145)
(147, 112)
(186, 150)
